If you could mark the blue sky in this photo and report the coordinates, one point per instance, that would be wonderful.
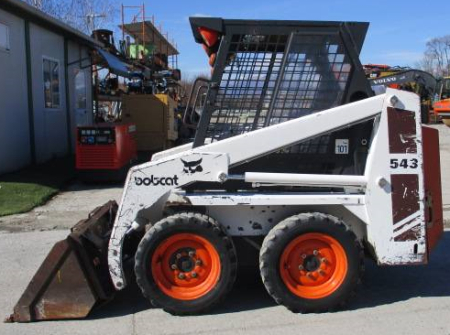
(397, 34)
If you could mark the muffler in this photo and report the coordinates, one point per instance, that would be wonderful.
(74, 276)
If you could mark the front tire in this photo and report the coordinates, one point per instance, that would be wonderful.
(311, 262)
(185, 264)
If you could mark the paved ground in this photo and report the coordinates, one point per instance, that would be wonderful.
(400, 300)
(64, 210)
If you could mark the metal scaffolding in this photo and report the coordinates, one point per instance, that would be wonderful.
(143, 30)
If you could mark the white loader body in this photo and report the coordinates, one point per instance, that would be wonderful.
(385, 207)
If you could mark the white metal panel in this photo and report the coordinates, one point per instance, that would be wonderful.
(257, 220)
(255, 214)
(380, 229)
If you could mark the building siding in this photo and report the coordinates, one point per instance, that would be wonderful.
(14, 125)
(52, 136)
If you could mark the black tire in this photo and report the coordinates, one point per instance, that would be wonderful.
(293, 227)
(191, 223)
(425, 113)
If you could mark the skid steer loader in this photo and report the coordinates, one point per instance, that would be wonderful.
(295, 167)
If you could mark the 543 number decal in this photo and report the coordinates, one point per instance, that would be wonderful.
(404, 163)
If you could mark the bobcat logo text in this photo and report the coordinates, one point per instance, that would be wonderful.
(155, 181)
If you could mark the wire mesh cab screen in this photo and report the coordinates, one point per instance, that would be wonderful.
(268, 72)
(263, 85)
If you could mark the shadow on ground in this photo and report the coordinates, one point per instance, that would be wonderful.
(55, 173)
(58, 173)
(386, 285)
(248, 294)
(381, 286)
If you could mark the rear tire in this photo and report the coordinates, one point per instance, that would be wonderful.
(185, 264)
(311, 262)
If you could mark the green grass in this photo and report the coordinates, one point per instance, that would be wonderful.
(21, 197)
(34, 185)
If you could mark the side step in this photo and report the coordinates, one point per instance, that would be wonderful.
(74, 277)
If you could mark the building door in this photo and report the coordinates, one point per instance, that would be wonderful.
(82, 118)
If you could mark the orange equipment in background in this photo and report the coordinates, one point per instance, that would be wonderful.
(441, 104)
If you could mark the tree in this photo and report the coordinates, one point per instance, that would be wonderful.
(436, 58)
(48, 7)
(84, 15)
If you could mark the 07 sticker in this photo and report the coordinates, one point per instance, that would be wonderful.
(405, 163)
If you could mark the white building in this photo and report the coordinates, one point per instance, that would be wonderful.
(45, 85)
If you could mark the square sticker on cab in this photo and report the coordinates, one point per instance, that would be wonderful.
(341, 147)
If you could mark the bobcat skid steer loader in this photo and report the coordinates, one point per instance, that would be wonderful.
(295, 167)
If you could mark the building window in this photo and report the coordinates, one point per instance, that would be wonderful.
(80, 89)
(4, 37)
(51, 83)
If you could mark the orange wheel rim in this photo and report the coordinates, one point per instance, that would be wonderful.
(313, 265)
(185, 266)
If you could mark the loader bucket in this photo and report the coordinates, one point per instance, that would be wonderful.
(74, 276)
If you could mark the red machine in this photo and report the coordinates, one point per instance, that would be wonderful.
(105, 151)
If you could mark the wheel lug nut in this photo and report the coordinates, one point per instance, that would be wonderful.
(181, 276)
(304, 256)
(194, 274)
(191, 253)
(323, 260)
(321, 272)
(179, 255)
(300, 267)
(315, 252)
(174, 267)
(198, 262)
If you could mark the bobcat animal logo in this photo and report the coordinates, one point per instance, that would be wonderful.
(192, 167)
